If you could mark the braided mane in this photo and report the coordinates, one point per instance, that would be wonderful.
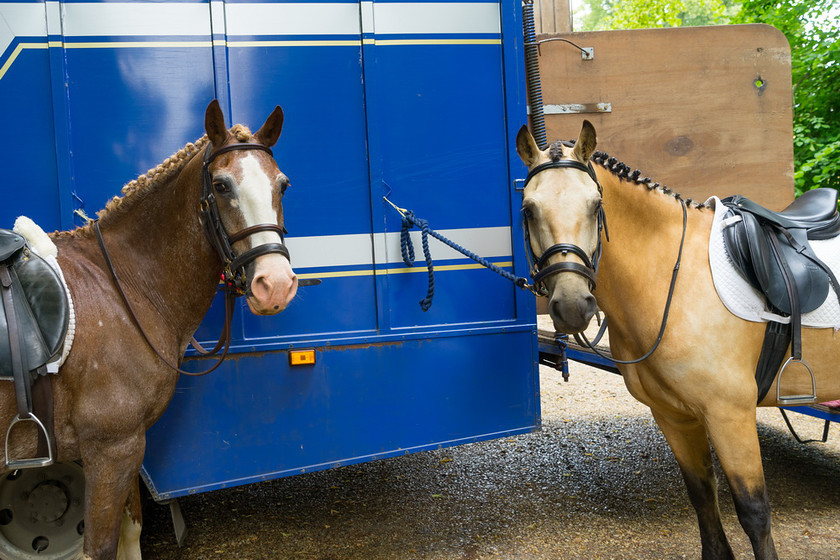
(623, 171)
(142, 186)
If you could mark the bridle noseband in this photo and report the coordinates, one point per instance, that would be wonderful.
(222, 242)
(589, 268)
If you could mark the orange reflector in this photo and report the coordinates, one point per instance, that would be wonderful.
(301, 357)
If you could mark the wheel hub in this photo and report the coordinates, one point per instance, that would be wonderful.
(42, 513)
(48, 501)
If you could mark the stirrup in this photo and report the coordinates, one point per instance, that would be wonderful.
(791, 400)
(36, 461)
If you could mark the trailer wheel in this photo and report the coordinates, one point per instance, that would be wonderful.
(42, 513)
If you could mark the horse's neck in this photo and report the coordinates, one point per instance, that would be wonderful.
(161, 253)
(645, 229)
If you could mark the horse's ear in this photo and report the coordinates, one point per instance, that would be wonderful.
(526, 146)
(270, 131)
(586, 142)
(214, 124)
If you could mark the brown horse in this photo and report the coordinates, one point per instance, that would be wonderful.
(700, 381)
(113, 385)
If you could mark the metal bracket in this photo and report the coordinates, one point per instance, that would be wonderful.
(178, 522)
(577, 108)
(586, 53)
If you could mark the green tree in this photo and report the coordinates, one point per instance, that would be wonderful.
(812, 29)
(637, 14)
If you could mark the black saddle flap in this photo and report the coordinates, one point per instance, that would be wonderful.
(42, 311)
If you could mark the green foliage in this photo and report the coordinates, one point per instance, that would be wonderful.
(812, 28)
(637, 14)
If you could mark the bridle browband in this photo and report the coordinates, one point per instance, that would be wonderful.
(589, 268)
(220, 239)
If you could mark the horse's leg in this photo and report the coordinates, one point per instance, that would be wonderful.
(735, 439)
(111, 471)
(132, 523)
(690, 445)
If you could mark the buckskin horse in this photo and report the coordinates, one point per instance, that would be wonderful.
(139, 294)
(699, 381)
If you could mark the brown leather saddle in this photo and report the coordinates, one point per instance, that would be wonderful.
(34, 318)
(772, 252)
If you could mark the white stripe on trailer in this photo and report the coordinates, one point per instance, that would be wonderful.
(188, 19)
(136, 19)
(430, 18)
(21, 19)
(292, 19)
(355, 250)
(367, 17)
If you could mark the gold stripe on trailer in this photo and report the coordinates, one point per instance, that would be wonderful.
(372, 272)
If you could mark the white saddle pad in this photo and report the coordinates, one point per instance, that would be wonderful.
(746, 302)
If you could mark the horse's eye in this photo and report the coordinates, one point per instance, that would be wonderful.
(283, 184)
(527, 214)
(222, 187)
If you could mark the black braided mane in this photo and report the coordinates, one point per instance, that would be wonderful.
(622, 171)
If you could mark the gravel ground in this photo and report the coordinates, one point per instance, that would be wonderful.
(597, 482)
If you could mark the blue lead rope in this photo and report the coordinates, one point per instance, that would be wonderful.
(407, 249)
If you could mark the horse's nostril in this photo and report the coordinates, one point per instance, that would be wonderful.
(589, 306)
(261, 287)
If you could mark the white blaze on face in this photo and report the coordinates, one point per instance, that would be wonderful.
(564, 206)
(274, 283)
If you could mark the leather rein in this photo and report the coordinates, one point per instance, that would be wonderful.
(589, 268)
(234, 276)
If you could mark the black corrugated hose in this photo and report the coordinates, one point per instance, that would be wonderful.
(532, 74)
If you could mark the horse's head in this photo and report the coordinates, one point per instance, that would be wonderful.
(563, 215)
(243, 211)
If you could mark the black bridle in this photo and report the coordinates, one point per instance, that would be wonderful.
(589, 268)
(235, 279)
(220, 239)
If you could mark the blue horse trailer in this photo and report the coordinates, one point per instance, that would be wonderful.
(419, 101)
